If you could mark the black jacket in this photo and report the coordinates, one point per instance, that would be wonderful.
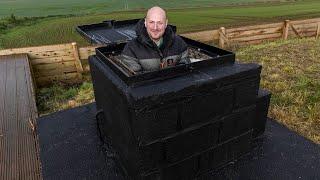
(142, 54)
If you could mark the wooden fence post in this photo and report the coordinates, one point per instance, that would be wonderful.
(222, 37)
(318, 31)
(77, 57)
(285, 30)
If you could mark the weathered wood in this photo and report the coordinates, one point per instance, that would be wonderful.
(43, 71)
(55, 66)
(258, 41)
(222, 37)
(77, 57)
(66, 78)
(285, 31)
(58, 72)
(36, 49)
(255, 27)
(303, 31)
(306, 21)
(31, 80)
(51, 54)
(203, 36)
(85, 52)
(19, 156)
(305, 26)
(318, 31)
(295, 31)
(258, 37)
(52, 60)
(237, 34)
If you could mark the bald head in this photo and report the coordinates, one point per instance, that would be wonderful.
(156, 23)
(156, 11)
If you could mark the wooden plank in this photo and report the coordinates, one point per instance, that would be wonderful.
(66, 78)
(18, 153)
(258, 37)
(51, 54)
(36, 49)
(203, 36)
(309, 34)
(55, 66)
(318, 31)
(252, 42)
(302, 32)
(306, 21)
(52, 60)
(305, 26)
(33, 114)
(238, 34)
(59, 71)
(255, 27)
(3, 157)
(77, 57)
(85, 52)
(27, 151)
(31, 91)
(10, 145)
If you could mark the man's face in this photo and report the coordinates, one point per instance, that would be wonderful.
(156, 24)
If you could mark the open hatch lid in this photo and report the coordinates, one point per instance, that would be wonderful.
(110, 31)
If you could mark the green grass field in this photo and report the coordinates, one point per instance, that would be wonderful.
(61, 7)
(61, 29)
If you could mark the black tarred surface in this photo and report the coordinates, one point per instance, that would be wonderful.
(70, 148)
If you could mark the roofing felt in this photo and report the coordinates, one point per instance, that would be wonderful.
(70, 148)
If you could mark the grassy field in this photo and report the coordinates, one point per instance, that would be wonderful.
(291, 71)
(60, 7)
(61, 29)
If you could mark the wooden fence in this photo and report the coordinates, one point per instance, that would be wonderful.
(67, 62)
(256, 34)
(51, 63)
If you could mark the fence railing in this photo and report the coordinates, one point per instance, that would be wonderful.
(67, 62)
(258, 33)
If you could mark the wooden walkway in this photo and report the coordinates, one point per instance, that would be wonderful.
(19, 149)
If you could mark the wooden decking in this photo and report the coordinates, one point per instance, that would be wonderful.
(19, 152)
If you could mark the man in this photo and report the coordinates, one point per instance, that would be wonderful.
(156, 46)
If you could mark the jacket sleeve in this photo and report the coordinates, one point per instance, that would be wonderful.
(128, 58)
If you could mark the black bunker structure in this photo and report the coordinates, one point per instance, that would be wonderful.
(179, 122)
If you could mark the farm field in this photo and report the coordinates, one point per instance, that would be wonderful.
(61, 7)
(21, 32)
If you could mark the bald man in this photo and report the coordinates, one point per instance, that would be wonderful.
(156, 46)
